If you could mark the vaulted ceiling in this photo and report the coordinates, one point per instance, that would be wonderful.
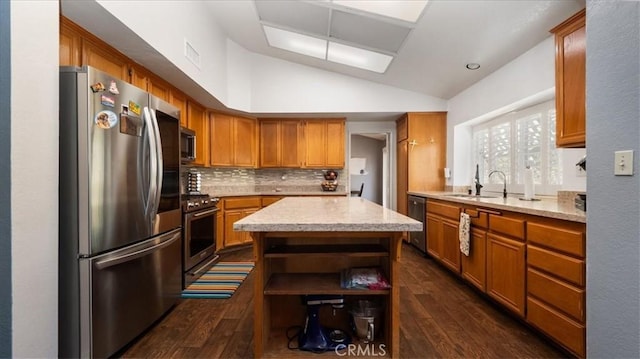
(429, 56)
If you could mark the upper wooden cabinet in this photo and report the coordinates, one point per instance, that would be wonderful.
(324, 143)
(70, 44)
(198, 122)
(233, 141)
(179, 100)
(113, 63)
(280, 143)
(422, 145)
(570, 42)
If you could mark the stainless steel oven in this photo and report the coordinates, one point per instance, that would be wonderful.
(199, 225)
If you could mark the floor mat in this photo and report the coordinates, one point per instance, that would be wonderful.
(219, 282)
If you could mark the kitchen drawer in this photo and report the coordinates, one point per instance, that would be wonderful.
(561, 239)
(558, 294)
(242, 202)
(270, 200)
(444, 210)
(479, 219)
(510, 226)
(560, 265)
(560, 327)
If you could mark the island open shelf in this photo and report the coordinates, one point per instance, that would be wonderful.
(300, 246)
(312, 283)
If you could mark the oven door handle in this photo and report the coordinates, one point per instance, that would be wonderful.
(205, 213)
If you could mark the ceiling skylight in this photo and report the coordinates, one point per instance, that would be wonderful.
(334, 52)
(353, 56)
(346, 32)
(407, 10)
(292, 41)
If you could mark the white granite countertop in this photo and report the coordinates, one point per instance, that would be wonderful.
(546, 207)
(326, 214)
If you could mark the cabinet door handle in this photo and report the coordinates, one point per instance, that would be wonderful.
(488, 211)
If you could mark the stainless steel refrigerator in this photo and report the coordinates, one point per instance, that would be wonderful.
(120, 216)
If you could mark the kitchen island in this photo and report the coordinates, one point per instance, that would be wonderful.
(300, 247)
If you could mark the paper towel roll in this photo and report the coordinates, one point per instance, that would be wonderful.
(528, 183)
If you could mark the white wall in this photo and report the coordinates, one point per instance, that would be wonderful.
(371, 150)
(34, 157)
(613, 204)
(389, 128)
(525, 81)
(280, 86)
(181, 20)
(238, 77)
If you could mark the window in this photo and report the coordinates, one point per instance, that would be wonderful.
(515, 140)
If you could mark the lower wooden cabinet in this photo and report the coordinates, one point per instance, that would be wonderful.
(533, 266)
(474, 266)
(442, 234)
(556, 279)
(506, 272)
(450, 245)
(234, 210)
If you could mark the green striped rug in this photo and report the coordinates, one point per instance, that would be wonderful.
(219, 282)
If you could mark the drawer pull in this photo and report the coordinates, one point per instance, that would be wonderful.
(488, 211)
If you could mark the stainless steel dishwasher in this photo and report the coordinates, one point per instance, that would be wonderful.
(417, 212)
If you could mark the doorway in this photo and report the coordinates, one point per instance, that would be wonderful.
(382, 133)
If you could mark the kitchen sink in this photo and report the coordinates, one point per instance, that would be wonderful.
(464, 195)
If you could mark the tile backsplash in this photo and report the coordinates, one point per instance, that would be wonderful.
(218, 178)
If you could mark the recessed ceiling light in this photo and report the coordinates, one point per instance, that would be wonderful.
(473, 66)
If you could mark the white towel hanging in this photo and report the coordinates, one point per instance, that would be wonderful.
(463, 233)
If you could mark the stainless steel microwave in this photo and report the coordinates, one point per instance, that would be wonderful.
(187, 145)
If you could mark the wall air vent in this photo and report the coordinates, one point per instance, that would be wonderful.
(191, 54)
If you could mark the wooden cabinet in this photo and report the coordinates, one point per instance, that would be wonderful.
(179, 100)
(402, 170)
(506, 261)
(111, 62)
(442, 234)
(474, 266)
(533, 266)
(324, 143)
(269, 200)
(70, 44)
(233, 141)
(234, 210)
(220, 229)
(197, 121)
(506, 272)
(556, 279)
(280, 142)
(421, 154)
(571, 42)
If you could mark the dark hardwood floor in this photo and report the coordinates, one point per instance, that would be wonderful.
(441, 317)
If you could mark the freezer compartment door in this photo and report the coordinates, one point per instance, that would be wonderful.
(128, 290)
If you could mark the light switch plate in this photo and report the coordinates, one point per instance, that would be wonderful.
(623, 165)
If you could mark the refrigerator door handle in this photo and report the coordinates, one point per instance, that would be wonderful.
(159, 169)
(137, 254)
(152, 195)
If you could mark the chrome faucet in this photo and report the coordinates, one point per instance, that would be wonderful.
(504, 178)
(477, 181)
